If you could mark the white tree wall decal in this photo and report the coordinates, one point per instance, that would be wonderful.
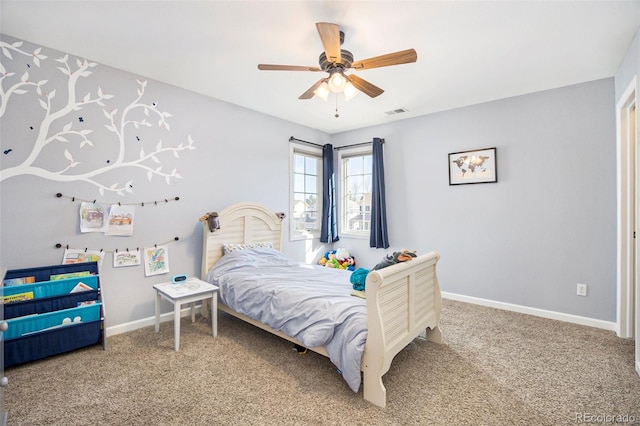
(149, 162)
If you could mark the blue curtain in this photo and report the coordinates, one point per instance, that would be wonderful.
(378, 237)
(329, 228)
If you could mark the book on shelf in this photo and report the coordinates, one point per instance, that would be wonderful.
(57, 277)
(18, 281)
(80, 287)
(27, 295)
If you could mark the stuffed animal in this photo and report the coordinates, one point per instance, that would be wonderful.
(341, 253)
(324, 259)
(339, 259)
(359, 276)
(332, 263)
(348, 264)
(397, 257)
(351, 263)
(212, 220)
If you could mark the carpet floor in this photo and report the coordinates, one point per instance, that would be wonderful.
(494, 368)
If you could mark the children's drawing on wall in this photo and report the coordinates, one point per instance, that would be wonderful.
(65, 128)
(156, 260)
(121, 220)
(93, 217)
(126, 258)
(82, 255)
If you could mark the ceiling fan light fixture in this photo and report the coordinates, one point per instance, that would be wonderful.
(350, 91)
(337, 81)
(323, 91)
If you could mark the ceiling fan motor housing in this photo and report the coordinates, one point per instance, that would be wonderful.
(346, 57)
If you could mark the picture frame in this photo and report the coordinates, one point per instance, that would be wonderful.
(475, 166)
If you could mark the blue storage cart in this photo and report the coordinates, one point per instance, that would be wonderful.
(57, 313)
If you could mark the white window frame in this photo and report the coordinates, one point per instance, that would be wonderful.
(343, 154)
(308, 151)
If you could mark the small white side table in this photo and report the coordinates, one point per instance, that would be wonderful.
(189, 291)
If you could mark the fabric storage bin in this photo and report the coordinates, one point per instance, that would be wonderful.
(52, 342)
(29, 324)
(49, 296)
(52, 288)
(39, 306)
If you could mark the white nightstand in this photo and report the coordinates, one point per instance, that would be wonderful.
(189, 291)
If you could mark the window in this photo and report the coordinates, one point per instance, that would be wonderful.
(306, 192)
(355, 202)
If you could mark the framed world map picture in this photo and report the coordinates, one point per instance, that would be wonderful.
(478, 166)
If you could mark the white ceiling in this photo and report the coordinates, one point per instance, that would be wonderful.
(468, 52)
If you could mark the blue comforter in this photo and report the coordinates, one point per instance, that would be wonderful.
(310, 303)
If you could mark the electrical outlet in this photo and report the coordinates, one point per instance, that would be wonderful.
(582, 290)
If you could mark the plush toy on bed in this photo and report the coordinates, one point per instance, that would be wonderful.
(359, 276)
(397, 257)
(339, 259)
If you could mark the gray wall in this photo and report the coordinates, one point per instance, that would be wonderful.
(240, 156)
(548, 223)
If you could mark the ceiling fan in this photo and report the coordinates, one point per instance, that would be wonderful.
(336, 61)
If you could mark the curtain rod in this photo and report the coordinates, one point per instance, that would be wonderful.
(291, 139)
(355, 144)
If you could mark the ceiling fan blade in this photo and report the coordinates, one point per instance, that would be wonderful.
(270, 67)
(364, 86)
(396, 58)
(309, 93)
(330, 37)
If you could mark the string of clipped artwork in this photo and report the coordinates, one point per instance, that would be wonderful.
(93, 220)
(156, 258)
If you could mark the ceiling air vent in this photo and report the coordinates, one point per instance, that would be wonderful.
(396, 111)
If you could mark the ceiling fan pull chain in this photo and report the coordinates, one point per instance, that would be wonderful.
(337, 115)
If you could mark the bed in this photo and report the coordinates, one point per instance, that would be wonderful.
(402, 301)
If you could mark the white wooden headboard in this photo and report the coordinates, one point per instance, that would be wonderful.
(240, 224)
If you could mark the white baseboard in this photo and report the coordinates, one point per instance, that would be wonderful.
(591, 322)
(147, 322)
(638, 368)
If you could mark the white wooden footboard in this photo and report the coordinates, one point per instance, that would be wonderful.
(403, 300)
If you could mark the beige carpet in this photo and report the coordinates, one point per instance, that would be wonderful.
(495, 368)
